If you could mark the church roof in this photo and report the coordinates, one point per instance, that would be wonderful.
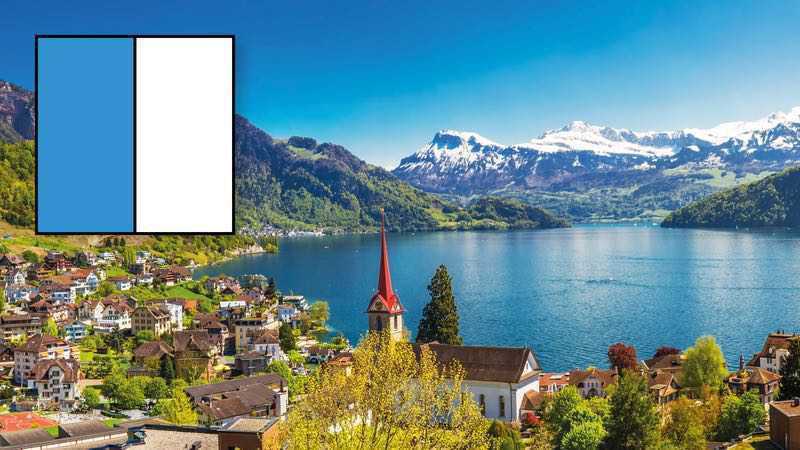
(385, 294)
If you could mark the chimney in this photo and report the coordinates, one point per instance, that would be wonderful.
(796, 401)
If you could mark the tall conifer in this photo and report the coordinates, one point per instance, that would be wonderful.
(440, 317)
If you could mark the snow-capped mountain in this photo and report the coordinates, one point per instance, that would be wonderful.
(462, 162)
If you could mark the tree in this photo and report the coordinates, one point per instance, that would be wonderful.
(286, 338)
(704, 365)
(740, 415)
(91, 397)
(50, 327)
(144, 336)
(440, 317)
(2, 301)
(319, 311)
(634, 421)
(557, 409)
(666, 350)
(156, 388)
(684, 427)
(129, 394)
(166, 369)
(412, 403)
(177, 409)
(622, 356)
(30, 257)
(790, 372)
(585, 436)
(504, 437)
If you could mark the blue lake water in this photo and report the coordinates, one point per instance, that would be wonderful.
(567, 293)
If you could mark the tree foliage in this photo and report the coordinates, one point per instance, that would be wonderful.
(684, 427)
(412, 403)
(440, 316)
(633, 423)
(740, 415)
(622, 357)
(790, 372)
(176, 409)
(704, 365)
(286, 338)
(666, 350)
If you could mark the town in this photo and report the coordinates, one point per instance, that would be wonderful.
(105, 350)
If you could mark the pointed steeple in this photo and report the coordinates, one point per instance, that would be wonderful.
(385, 294)
(384, 277)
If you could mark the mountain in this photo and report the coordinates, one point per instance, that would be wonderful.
(631, 173)
(300, 183)
(771, 202)
(17, 118)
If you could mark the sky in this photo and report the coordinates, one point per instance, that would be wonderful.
(382, 77)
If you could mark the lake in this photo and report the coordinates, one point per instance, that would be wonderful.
(567, 293)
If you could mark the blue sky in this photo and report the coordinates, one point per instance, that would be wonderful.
(382, 77)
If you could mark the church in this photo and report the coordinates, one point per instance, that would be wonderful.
(498, 378)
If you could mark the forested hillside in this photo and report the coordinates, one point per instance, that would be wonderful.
(771, 202)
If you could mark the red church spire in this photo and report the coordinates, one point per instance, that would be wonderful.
(385, 291)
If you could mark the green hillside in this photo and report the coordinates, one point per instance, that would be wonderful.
(771, 202)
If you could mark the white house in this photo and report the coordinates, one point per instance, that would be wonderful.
(16, 293)
(287, 312)
(775, 349)
(116, 316)
(56, 382)
(16, 277)
(269, 345)
(497, 377)
(592, 382)
(91, 310)
(122, 282)
(175, 314)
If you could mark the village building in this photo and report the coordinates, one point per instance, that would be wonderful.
(16, 277)
(250, 363)
(86, 259)
(385, 312)
(16, 326)
(121, 282)
(11, 262)
(269, 345)
(218, 333)
(319, 355)
(775, 349)
(56, 382)
(247, 330)
(38, 348)
(115, 317)
(19, 293)
(553, 382)
(497, 377)
(75, 331)
(784, 424)
(91, 310)
(170, 276)
(220, 403)
(151, 318)
(148, 357)
(343, 361)
(592, 382)
(175, 310)
(194, 355)
(762, 381)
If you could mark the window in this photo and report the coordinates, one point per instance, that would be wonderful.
(482, 402)
(502, 406)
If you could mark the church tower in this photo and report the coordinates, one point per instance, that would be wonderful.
(385, 310)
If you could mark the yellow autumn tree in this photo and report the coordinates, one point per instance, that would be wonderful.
(391, 399)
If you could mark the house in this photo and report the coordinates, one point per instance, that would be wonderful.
(248, 364)
(121, 282)
(194, 355)
(147, 358)
(218, 333)
(775, 349)
(16, 293)
(85, 281)
(319, 355)
(175, 313)
(56, 382)
(298, 301)
(247, 331)
(38, 348)
(59, 312)
(592, 382)
(75, 331)
(343, 361)
(269, 345)
(91, 310)
(553, 382)
(19, 325)
(233, 309)
(169, 276)
(86, 259)
(288, 313)
(142, 256)
(264, 395)
(115, 317)
(153, 318)
(663, 386)
(11, 262)
(764, 382)
(57, 262)
(106, 257)
(784, 424)
(669, 363)
(6, 354)
(16, 277)
(223, 284)
(145, 279)
(497, 377)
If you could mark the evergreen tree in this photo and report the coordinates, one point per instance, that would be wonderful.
(633, 423)
(286, 337)
(167, 369)
(440, 317)
(790, 372)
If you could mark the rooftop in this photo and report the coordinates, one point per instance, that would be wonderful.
(786, 407)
